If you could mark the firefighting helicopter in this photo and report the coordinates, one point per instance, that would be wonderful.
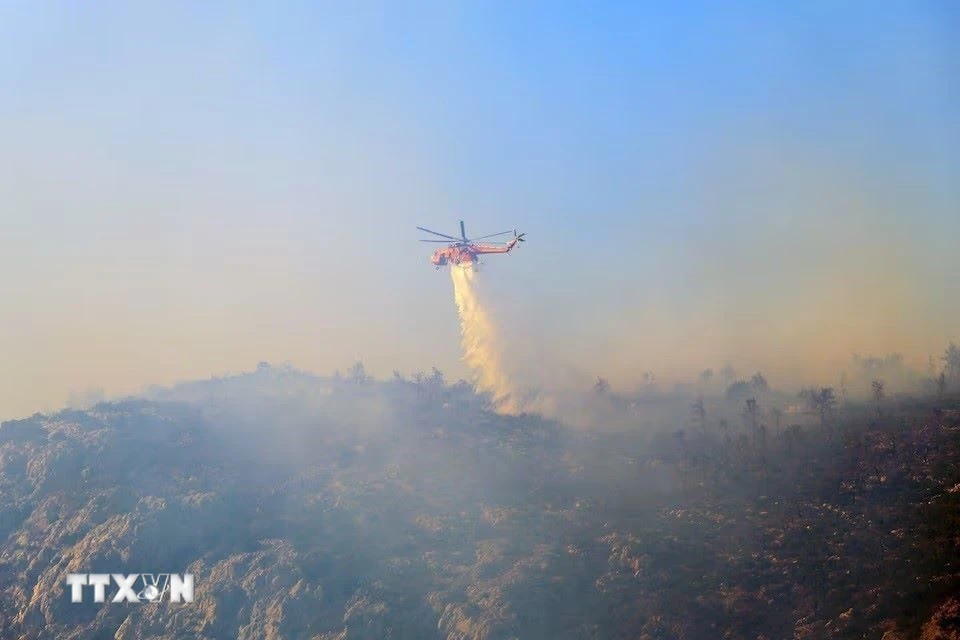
(464, 250)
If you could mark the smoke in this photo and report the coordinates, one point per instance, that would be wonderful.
(482, 351)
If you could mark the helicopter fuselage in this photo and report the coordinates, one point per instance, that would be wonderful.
(467, 253)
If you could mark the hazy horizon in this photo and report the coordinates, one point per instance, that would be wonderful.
(190, 190)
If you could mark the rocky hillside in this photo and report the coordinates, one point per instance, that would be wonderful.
(320, 508)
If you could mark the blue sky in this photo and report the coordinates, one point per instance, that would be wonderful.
(190, 188)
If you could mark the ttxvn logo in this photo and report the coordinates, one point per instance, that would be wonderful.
(135, 587)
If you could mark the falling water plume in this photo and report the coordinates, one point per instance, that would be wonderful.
(481, 350)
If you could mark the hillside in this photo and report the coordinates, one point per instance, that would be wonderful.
(310, 507)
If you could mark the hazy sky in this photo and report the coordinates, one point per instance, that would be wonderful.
(189, 188)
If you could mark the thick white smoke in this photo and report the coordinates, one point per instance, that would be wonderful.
(481, 350)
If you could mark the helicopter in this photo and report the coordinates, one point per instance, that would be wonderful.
(466, 251)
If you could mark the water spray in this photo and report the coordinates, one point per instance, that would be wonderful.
(481, 348)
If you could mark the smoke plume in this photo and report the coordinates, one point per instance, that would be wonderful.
(481, 350)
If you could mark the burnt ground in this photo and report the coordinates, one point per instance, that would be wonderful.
(376, 510)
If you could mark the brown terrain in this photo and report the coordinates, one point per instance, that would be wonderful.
(312, 507)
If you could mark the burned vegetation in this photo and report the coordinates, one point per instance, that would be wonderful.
(345, 507)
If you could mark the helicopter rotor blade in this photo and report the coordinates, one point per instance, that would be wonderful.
(443, 241)
(442, 235)
(491, 235)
